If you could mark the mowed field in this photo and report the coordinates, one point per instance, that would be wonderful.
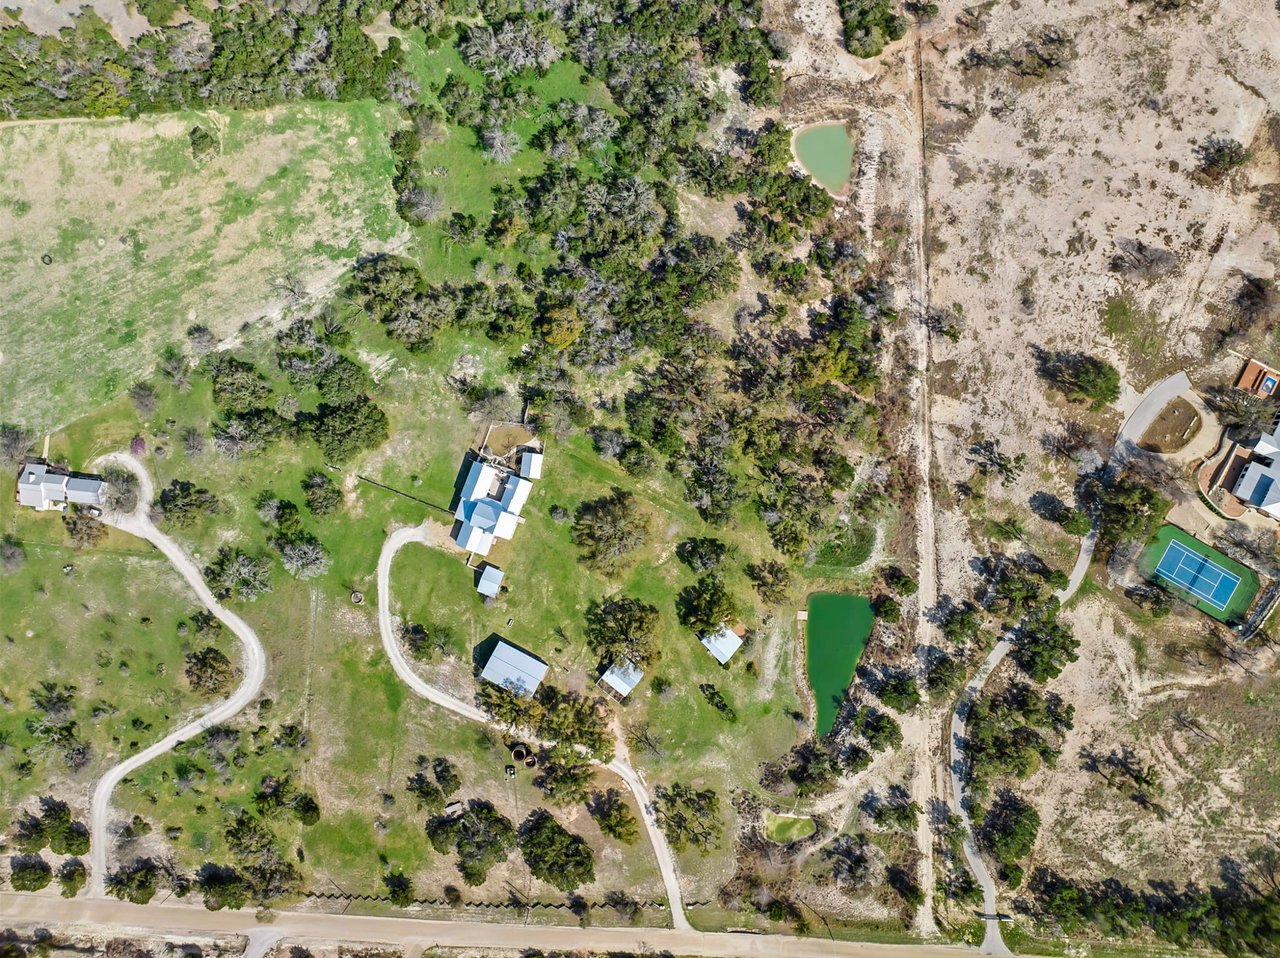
(62, 620)
(113, 240)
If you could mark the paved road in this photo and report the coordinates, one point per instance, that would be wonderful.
(395, 652)
(1154, 400)
(254, 666)
(318, 929)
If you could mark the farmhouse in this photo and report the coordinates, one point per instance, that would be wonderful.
(514, 669)
(489, 506)
(42, 487)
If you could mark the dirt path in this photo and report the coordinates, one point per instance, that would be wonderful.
(426, 534)
(917, 731)
(139, 523)
(321, 931)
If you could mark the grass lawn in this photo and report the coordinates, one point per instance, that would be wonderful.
(328, 674)
(787, 828)
(125, 659)
(841, 554)
(1241, 598)
(115, 240)
(1140, 333)
(327, 671)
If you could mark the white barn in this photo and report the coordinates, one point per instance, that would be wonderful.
(514, 669)
(621, 679)
(722, 644)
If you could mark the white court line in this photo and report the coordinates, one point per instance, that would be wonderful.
(1206, 565)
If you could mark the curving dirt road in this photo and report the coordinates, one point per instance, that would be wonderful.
(1158, 396)
(396, 541)
(139, 524)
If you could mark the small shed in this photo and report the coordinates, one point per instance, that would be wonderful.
(723, 643)
(620, 679)
(514, 669)
(531, 464)
(490, 581)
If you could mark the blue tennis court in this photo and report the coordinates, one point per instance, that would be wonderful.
(1197, 574)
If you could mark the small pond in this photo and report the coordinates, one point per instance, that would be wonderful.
(826, 153)
(836, 632)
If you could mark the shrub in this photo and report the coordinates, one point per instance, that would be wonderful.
(613, 815)
(322, 495)
(210, 671)
(900, 693)
(609, 530)
(72, 876)
(554, 854)
(29, 873)
(82, 528)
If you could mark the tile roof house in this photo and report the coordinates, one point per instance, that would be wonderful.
(42, 486)
(723, 643)
(514, 669)
(1259, 379)
(489, 506)
(1259, 483)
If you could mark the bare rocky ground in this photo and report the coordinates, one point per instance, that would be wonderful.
(1060, 136)
(1035, 184)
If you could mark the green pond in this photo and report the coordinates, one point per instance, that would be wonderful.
(837, 630)
(826, 153)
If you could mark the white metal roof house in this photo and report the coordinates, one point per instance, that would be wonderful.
(490, 581)
(514, 669)
(43, 487)
(489, 506)
(621, 678)
(1259, 483)
(722, 643)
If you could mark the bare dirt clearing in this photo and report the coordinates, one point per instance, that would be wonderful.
(1176, 426)
(1065, 211)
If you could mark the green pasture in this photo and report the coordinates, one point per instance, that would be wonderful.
(784, 829)
(114, 240)
(104, 621)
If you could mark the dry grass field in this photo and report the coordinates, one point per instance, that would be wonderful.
(130, 240)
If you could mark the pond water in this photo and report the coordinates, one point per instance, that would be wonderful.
(837, 630)
(826, 153)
